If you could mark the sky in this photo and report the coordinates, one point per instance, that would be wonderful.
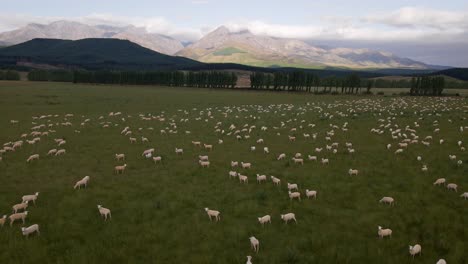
(435, 32)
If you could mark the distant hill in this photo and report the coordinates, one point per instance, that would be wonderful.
(92, 54)
(457, 73)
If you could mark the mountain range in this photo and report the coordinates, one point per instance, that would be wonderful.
(224, 46)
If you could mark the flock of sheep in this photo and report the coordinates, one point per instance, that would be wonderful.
(400, 137)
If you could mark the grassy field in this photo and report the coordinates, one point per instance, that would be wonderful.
(158, 210)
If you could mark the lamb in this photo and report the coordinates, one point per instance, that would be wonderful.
(275, 180)
(264, 219)
(32, 197)
(414, 250)
(261, 178)
(30, 230)
(204, 163)
(208, 147)
(60, 152)
(143, 139)
(246, 165)
(311, 194)
(243, 178)
(293, 195)
(132, 140)
(3, 220)
(203, 158)
(384, 232)
(298, 161)
(464, 195)
(213, 213)
(292, 186)
(52, 152)
(104, 212)
(157, 159)
(179, 151)
(82, 182)
(352, 172)
(232, 174)
(18, 216)
(33, 157)
(20, 206)
(120, 157)
(325, 161)
(234, 164)
(452, 186)
(439, 181)
(288, 217)
(387, 200)
(120, 169)
(281, 156)
(312, 158)
(254, 243)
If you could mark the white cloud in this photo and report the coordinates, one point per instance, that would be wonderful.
(200, 2)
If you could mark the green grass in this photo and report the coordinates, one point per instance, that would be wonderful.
(228, 51)
(157, 210)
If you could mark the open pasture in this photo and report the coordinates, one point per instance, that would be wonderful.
(158, 207)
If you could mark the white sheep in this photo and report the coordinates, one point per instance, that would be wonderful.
(298, 161)
(120, 157)
(325, 161)
(30, 230)
(439, 181)
(261, 178)
(148, 151)
(254, 243)
(414, 250)
(311, 194)
(3, 220)
(104, 212)
(249, 260)
(288, 217)
(387, 200)
(246, 165)
(352, 172)
(33, 157)
(243, 178)
(266, 150)
(120, 169)
(204, 158)
(234, 164)
(464, 195)
(18, 216)
(52, 152)
(179, 151)
(398, 151)
(384, 232)
(275, 180)
(31, 197)
(264, 219)
(82, 182)
(204, 164)
(292, 186)
(213, 213)
(20, 206)
(312, 158)
(196, 143)
(208, 147)
(232, 174)
(60, 152)
(281, 156)
(452, 186)
(293, 195)
(452, 157)
(441, 261)
(157, 159)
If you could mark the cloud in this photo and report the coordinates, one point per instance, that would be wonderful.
(200, 2)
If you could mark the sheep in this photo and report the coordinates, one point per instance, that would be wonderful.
(20, 206)
(31, 197)
(459, 163)
(157, 159)
(275, 180)
(311, 194)
(208, 147)
(288, 217)
(260, 141)
(298, 161)
(196, 143)
(203, 158)
(292, 138)
(213, 213)
(352, 172)
(387, 200)
(33, 157)
(281, 156)
(120, 157)
(266, 150)
(204, 163)
(318, 150)
(132, 140)
(82, 182)
(143, 139)
(104, 212)
(292, 186)
(324, 161)
(441, 261)
(253, 148)
(389, 146)
(18, 216)
(234, 164)
(3, 220)
(264, 219)
(439, 181)
(418, 158)
(414, 250)
(246, 165)
(424, 168)
(293, 195)
(120, 169)
(452, 186)
(60, 152)
(63, 142)
(384, 232)
(179, 151)
(243, 178)
(452, 157)
(464, 195)
(232, 174)
(220, 141)
(52, 152)
(146, 152)
(249, 260)
(254, 243)
(26, 231)
(312, 158)
(261, 178)
(398, 151)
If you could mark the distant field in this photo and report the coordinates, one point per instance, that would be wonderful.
(158, 209)
(390, 91)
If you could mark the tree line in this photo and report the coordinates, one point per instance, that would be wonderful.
(50, 76)
(9, 75)
(427, 85)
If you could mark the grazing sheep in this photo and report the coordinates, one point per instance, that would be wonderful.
(60, 152)
(157, 159)
(203, 158)
(120, 157)
(464, 195)
(253, 148)
(243, 178)
(459, 163)
(312, 158)
(196, 143)
(249, 260)
(452, 157)
(439, 181)
(148, 151)
(20, 206)
(281, 156)
(398, 151)
(133, 140)
(208, 147)
(204, 164)
(52, 152)
(264, 219)
(266, 150)
(261, 178)
(452, 186)
(143, 139)
(414, 250)
(30, 230)
(288, 217)
(33, 157)
(325, 161)
(293, 195)
(104, 212)
(292, 138)
(28, 198)
(441, 261)
(298, 161)
(352, 172)
(275, 180)
(18, 216)
(246, 165)
(234, 164)
(179, 151)
(120, 169)
(3, 220)
(384, 232)
(254, 243)
(63, 142)
(292, 186)
(311, 194)
(82, 182)
(419, 158)
(213, 213)
(387, 200)
(232, 174)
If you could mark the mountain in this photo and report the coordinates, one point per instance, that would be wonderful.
(92, 54)
(457, 73)
(75, 31)
(243, 47)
